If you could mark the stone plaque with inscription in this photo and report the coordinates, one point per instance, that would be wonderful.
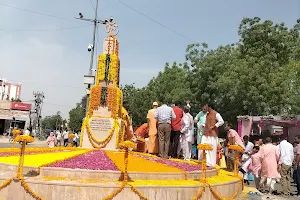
(100, 124)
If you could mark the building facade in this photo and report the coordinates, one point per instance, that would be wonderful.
(9, 90)
(14, 115)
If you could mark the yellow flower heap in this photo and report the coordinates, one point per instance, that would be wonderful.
(106, 93)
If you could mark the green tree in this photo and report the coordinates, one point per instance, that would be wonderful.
(255, 76)
(53, 122)
(170, 85)
(76, 115)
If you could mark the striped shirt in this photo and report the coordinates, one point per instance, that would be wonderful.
(164, 114)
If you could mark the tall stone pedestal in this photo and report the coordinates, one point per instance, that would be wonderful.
(100, 125)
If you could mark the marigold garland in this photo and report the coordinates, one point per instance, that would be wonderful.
(24, 138)
(125, 180)
(101, 68)
(110, 97)
(27, 189)
(120, 135)
(113, 69)
(199, 193)
(114, 100)
(95, 99)
(5, 183)
(224, 198)
(115, 193)
(82, 132)
(133, 189)
(205, 147)
(128, 144)
(71, 135)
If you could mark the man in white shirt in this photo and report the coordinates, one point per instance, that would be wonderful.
(246, 157)
(59, 138)
(66, 137)
(27, 132)
(286, 157)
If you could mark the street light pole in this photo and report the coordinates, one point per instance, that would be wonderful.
(92, 49)
(110, 27)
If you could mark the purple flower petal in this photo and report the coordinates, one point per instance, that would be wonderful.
(95, 160)
(180, 165)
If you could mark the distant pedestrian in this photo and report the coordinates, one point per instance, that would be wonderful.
(286, 158)
(59, 138)
(66, 137)
(51, 140)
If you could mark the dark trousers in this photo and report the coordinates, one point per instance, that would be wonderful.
(174, 141)
(297, 171)
(164, 131)
(66, 142)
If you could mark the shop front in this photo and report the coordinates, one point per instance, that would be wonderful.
(5, 116)
(13, 115)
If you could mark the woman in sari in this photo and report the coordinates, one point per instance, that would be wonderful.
(51, 140)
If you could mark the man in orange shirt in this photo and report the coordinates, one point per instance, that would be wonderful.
(141, 137)
(175, 133)
(142, 131)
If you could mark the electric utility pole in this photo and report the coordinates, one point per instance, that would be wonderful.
(91, 47)
(110, 27)
(37, 110)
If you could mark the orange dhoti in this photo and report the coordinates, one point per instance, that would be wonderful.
(153, 144)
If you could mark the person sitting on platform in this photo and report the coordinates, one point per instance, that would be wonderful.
(142, 137)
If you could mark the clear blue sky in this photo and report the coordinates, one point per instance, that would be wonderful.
(55, 61)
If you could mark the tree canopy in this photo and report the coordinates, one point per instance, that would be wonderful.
(76, 115)
(53, 122)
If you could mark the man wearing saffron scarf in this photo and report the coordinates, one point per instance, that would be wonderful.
(213, 121)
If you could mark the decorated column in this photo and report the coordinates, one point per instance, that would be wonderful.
(106, 121)
(23, 139)
(204, 147)
(237, 150)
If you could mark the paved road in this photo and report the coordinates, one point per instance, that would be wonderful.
(271, 197)
(9, 145)
(4, 143)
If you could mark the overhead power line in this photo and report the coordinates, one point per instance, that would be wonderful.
(157, 22)
(35, 12)
(92, 5)
(56, 29)
(67, 86)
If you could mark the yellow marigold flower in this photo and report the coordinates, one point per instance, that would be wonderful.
(24, 138)
(38, 160)
(16, 132)
(71, 135)
(128, 144)
(236, 148)
(205, 147)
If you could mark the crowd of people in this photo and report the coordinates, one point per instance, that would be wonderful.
(57, 138)
(169, 133)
